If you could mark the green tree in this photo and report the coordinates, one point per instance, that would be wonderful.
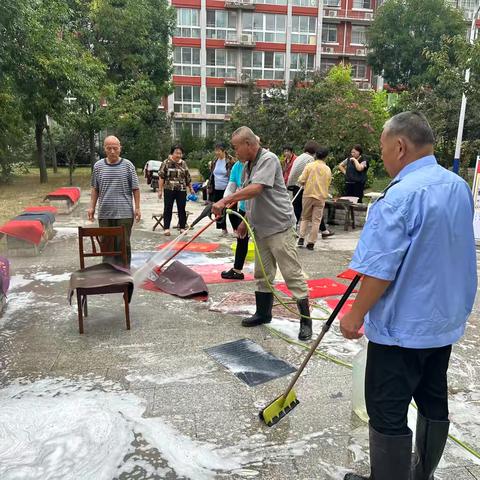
(331, 110)
(441, 102)
(46, 63)
(400, 34)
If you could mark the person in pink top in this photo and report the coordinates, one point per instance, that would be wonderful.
(290, 157)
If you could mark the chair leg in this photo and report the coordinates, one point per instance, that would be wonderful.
(352, 213)
(85, 306)
(347, 218)
(127, 310)
(80, 313)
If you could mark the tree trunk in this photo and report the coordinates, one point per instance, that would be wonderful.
(52, 148)
(91, 148)
(39, 126)
(70, 169)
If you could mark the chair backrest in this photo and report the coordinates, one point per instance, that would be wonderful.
(102, 243)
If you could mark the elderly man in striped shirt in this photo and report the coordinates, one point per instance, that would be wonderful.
(114, 184)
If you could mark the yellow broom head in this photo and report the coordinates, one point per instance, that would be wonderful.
(274, 412)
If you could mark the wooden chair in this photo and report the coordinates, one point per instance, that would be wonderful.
(102, 278)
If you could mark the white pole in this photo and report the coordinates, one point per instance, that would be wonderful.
(463, 106)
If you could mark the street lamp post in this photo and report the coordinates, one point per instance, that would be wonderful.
(461, 120)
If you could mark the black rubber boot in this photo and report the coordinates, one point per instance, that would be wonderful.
(305, 332)
(430, 439)
(390, 457)
(264, 304)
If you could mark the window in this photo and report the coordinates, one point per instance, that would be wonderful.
(329, 33)
(358, 35)
(195, 128)
(362, 4)
(359, 69)
(214, 129)
(220, 100)
(302, 62)
(326, 66)
(186, 99)
(265, 27)
(221, 24)
(305, 3)
(264, 65)
(272, 2)
(332, 3)
(188, 23)
(221, 63)
(186, 61)
(304, 30)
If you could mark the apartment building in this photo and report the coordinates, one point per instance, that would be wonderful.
(221, 45)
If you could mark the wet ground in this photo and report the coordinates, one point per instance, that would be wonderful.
(151, 403)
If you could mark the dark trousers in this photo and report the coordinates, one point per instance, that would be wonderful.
(118, 222)
(297, 206)
(169, 197)
(242, 243)
(394, 375)
(216, 196)
(355, 189)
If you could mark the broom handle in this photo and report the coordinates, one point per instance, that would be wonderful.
(325, 329)
(297, 194)
(188, 243)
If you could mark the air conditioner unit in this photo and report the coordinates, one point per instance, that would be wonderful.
(366, 85)
(332, 13)
(328, 50)
(368, 16)
(246, 38)
(360, 51)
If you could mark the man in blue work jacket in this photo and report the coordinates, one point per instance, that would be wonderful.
(417, 255)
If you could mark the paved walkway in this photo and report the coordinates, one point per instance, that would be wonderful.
(150, 403)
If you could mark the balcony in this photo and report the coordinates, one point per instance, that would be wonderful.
(241, 4)
(238, 81)
(352, 15)
(245, 40)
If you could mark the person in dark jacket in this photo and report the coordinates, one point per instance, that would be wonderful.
(355, 170)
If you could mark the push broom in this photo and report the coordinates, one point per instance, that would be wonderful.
(284, 404)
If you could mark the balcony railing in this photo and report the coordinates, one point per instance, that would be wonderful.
(242, 4)
(347, 14)
(245, 40)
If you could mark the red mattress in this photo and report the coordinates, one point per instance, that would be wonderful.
(44, 208)
(321, 287)
(29, 230)
(193, 247)
(73, 193)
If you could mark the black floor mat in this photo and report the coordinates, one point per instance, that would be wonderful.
(249, 361)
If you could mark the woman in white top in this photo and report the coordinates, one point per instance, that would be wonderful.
(219, 177)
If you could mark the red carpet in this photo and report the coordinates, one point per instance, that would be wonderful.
(345, 309)
(149, 285)
(193, 247)
(211, 273)
(321, 287)
(348, 274)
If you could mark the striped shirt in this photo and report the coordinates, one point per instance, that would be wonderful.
(115, 184)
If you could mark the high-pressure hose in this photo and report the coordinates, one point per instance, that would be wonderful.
(264, 273)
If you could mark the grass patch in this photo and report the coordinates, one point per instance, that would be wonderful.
(25, 189)
(379, 184)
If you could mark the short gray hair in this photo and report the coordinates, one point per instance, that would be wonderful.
(246, 133)
(412, 125)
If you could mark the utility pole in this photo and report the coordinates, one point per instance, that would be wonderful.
(463, 106)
